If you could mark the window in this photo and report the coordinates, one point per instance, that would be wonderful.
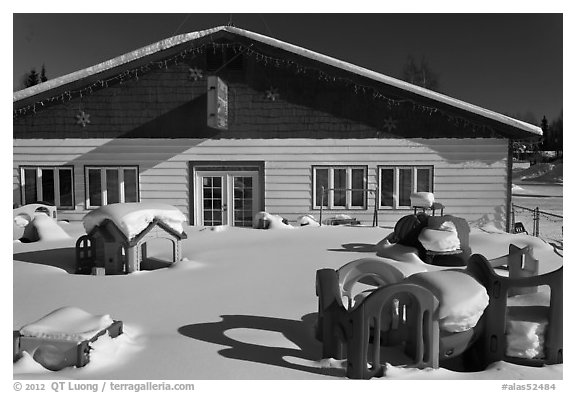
(54, 185)
(106, 185)
(396, 183)
(339, 187)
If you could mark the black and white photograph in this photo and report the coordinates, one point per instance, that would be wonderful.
(265, 196)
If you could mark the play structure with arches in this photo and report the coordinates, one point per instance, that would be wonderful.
(371, 313)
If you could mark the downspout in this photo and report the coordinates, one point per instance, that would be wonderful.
(509, 187)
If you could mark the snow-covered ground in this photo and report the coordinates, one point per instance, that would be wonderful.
(542, 173)
(241, 305)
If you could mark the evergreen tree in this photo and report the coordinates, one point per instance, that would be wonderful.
(554, 137)
(43, 77)
(31, 78)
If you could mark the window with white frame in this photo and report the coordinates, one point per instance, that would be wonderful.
(106, 185)
(50, 184)
(339, 187)
(396, 183)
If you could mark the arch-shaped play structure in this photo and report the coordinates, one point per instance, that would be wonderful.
(407, 320)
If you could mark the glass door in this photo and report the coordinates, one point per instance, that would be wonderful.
(213, 193)
(226, 198)
(243, 208)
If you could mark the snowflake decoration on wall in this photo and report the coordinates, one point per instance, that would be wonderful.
(272, 94)
(389, 124)
(195, 73)
(83, 118)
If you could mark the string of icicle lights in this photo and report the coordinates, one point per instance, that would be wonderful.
(188, 54)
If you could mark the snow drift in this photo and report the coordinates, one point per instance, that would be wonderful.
(43, 228)
(240, 305)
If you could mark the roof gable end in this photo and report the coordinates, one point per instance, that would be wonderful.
(214, 33)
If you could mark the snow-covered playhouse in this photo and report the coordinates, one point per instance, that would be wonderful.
(118, 234)
(224, 123)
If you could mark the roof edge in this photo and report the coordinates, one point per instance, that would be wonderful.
(349, 67)
(388, 80)
(111, 63)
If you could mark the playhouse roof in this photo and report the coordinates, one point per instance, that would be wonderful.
(526, 130)
(132, 219)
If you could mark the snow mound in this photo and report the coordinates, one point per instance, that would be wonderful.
(494, 222)
(526, 325)
(44, 228)
(525, 339)
(264, 220)
(443, 239)
(461, 298)
(67, 323)
(398, 252)
(542, 173)
(555, 175)
(27, 365)
(216, 228)
(422, 199)
(133, 218)
(307, 220)
(21, 220)
(517, 189)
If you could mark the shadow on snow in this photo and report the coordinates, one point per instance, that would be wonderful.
(62, 258)
(301, 333)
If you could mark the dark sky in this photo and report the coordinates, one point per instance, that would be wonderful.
(510, 63)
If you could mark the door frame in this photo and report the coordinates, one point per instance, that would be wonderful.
(228, 200)
(222, 166)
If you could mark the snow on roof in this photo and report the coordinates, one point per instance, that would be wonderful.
(183, 38)
(67, 323)
(133, 218)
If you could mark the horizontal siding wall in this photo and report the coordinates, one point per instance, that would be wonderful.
(469, 174)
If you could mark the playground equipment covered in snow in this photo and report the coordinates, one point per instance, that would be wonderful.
(37, 221)
(117, 236)
(429, 319)
(63, 337)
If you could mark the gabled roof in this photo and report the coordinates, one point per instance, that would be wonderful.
(299, 51)
(162, 225)
(107, 225)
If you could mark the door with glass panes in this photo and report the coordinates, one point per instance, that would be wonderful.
(226, 198)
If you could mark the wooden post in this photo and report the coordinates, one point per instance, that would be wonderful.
(375, 220)
(509, 163)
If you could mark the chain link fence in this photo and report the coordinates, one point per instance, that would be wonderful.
(545, 225)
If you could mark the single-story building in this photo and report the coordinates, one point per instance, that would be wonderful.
(223, 123)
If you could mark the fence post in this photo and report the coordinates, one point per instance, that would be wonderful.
(537, 222)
